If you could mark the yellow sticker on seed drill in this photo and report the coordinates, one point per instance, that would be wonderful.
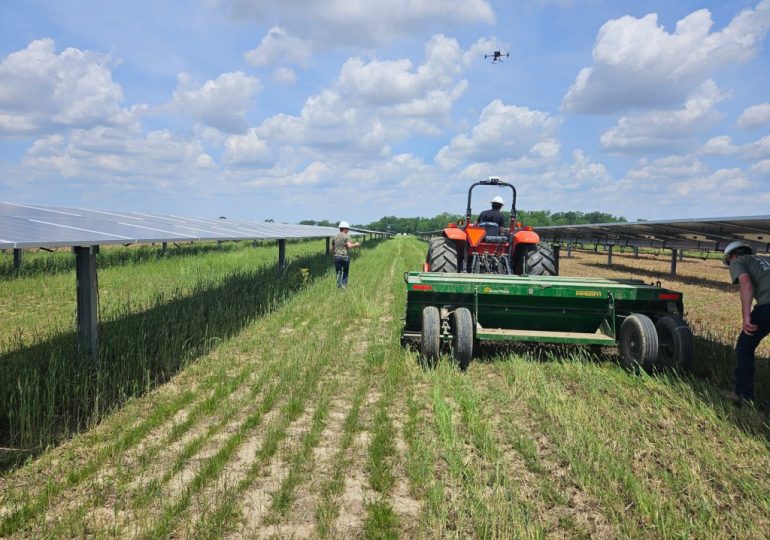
(593, 294)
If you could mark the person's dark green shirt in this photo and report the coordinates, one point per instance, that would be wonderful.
(758, 269)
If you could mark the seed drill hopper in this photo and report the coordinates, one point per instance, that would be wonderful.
(457, 310)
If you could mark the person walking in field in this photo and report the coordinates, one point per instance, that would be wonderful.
(752, 274)
(341, 243)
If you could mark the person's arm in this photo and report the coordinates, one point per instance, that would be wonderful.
(747, 296)
(352, 244)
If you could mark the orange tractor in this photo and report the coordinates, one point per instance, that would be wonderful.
(488, 248)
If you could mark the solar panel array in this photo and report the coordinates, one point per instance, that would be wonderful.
(707, 234)
(30, 226)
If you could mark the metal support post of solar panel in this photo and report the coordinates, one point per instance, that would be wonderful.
(40, 226)
(87, 300)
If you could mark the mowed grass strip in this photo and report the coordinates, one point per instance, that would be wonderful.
(326, 349)
(354, 312)
(213, 466)
(328, 509)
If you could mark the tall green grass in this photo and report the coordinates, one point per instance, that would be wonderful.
(50, 391)
(43, 262)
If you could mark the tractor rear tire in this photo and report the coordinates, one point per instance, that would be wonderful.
(675, 343)
(442, 255)
(430, 337)
(638, 343)
(462, 338)
(541, 262)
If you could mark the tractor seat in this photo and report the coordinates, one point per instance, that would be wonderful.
(493, 232)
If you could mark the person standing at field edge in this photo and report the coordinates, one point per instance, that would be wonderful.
(752, 273)
(341, 243)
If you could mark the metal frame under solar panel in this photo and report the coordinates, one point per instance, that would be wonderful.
(703, 234)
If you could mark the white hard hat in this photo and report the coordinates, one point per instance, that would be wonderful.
(344, 225)
(732, 246)
(498, 199)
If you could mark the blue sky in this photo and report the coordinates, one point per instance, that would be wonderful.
(356, 109)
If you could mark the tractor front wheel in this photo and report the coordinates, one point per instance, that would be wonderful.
(462, 337)
(442, 255)
(638, 342)
(430, 337)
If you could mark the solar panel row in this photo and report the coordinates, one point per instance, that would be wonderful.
(707, 234)
(27, 226)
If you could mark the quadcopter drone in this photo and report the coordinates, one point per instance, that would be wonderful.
(497, 56)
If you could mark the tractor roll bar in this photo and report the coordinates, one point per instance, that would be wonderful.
(492, 182)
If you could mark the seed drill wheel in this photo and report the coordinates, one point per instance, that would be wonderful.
(540, 261)
(462, 337)
(638, 342)
(430, 337)
(675, 343)
(442, 255)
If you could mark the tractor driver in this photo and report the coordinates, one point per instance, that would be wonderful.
(493, 215)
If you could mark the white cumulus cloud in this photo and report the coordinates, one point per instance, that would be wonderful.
(659, 130)
(724, 146)
(278, 47)
(719, 146)
(638, 64)
(246, 149)
(374, 103)
(221, 103)
(107, 154)
(502, 132)
(42, 91)
(754, 116)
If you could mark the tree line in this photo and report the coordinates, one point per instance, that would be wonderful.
(534, 218)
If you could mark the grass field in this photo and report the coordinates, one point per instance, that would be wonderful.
(257, 406)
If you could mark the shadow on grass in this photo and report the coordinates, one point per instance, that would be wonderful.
(49, 391)
(687, 280)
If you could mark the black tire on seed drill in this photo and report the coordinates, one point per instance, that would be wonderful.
(638, 342)
(540, 261)
(430, 337)
(675, 343)
(462, 337)
(442, 255)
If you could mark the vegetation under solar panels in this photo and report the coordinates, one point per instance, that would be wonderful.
(157, 312)
(310, 419)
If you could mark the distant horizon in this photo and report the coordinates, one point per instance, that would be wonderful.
(364, 223)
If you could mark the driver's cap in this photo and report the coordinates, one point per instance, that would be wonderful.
(498, 200)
